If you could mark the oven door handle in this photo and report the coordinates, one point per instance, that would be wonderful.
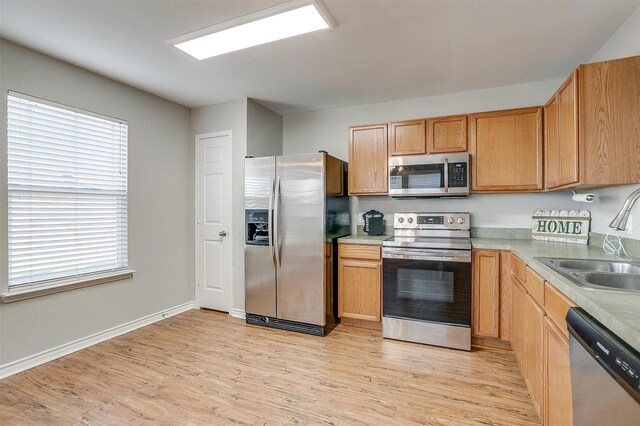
(435, 257)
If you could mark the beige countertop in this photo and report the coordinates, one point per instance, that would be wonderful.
(618, 311)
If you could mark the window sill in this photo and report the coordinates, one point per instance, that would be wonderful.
(66, 285)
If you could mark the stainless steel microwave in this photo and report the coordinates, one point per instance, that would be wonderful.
(420, 176)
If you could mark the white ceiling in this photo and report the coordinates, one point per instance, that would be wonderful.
(379, 51)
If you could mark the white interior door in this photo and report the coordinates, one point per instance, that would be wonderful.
(213, 216)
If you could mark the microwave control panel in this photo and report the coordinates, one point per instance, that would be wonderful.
(458, 175)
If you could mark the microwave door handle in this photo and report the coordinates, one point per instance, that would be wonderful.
(446, 175)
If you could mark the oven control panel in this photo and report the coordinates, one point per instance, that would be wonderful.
(449, 221)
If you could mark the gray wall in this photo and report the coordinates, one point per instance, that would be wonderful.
(624, 42)
(264, 130)
(161, 187)
(329, 130)
(220, 117)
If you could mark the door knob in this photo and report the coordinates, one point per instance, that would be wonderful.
(222, 233)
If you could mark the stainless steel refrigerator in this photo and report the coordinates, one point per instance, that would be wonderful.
(295, 209)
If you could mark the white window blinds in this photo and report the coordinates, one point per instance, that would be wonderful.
(67, 187)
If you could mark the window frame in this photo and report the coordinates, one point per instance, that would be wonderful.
(56, 285)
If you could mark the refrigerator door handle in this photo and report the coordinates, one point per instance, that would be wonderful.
(270, 223)
(276, 220)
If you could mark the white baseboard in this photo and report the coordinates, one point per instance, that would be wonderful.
(31, 361)
(238, 313)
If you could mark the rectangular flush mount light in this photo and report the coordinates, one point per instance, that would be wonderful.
(276, 23)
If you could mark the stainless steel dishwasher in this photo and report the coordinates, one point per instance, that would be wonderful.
(604, 374)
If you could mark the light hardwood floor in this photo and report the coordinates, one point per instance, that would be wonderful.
(204, 367)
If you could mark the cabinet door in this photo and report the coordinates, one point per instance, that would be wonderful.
(551, 144)
(505, 295)
(359, 289)
(609, 119)
(534, 348)
(329, 278)
(506, 147)
(407, 137)
(447, 134)
(486, 293)
(368, 161)
(518, 317)
(557, 378)
(568, 131)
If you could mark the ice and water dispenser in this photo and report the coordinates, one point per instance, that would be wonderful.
(257, 227)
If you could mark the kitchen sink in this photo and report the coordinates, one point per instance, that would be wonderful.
(629, 282)
(597, 274)
(599, 265)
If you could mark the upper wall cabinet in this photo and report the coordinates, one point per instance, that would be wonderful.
(447, 134)
(407, 138)
(609, 122)
(506, 149)
(368, 161)
(561, 136)
(592, 127)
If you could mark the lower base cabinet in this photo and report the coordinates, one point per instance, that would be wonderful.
(359, 282)
(491, 298)
(518, 322)
(557, 377)
(534, 352)
(540, 343)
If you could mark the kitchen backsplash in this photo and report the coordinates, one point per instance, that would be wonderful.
(487, 210)
(631, 246)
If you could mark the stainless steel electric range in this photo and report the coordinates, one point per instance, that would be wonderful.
(426, 286)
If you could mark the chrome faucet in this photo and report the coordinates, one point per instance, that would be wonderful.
(619, 222)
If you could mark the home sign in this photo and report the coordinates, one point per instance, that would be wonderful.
(561, 225)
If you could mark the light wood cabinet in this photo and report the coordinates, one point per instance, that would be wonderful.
(407, 138)
(447, 134)
(557, 377)
(527, 340)
(486, 294)
(534, 284)
(491, 298)
(506, 149)
(561, 136)
(608, 122)
(368, 161)
(534, 352)
(359, 282)
(518, 322)
(591, 127)
(540, 341)
(552, 143)
(329, 277)
(505, 296)
(556, 305)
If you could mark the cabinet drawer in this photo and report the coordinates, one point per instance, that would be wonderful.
(534, 284)
(518, 268)
(359, 251)
(556, 305)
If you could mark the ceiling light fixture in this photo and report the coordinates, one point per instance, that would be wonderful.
(276, 23)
